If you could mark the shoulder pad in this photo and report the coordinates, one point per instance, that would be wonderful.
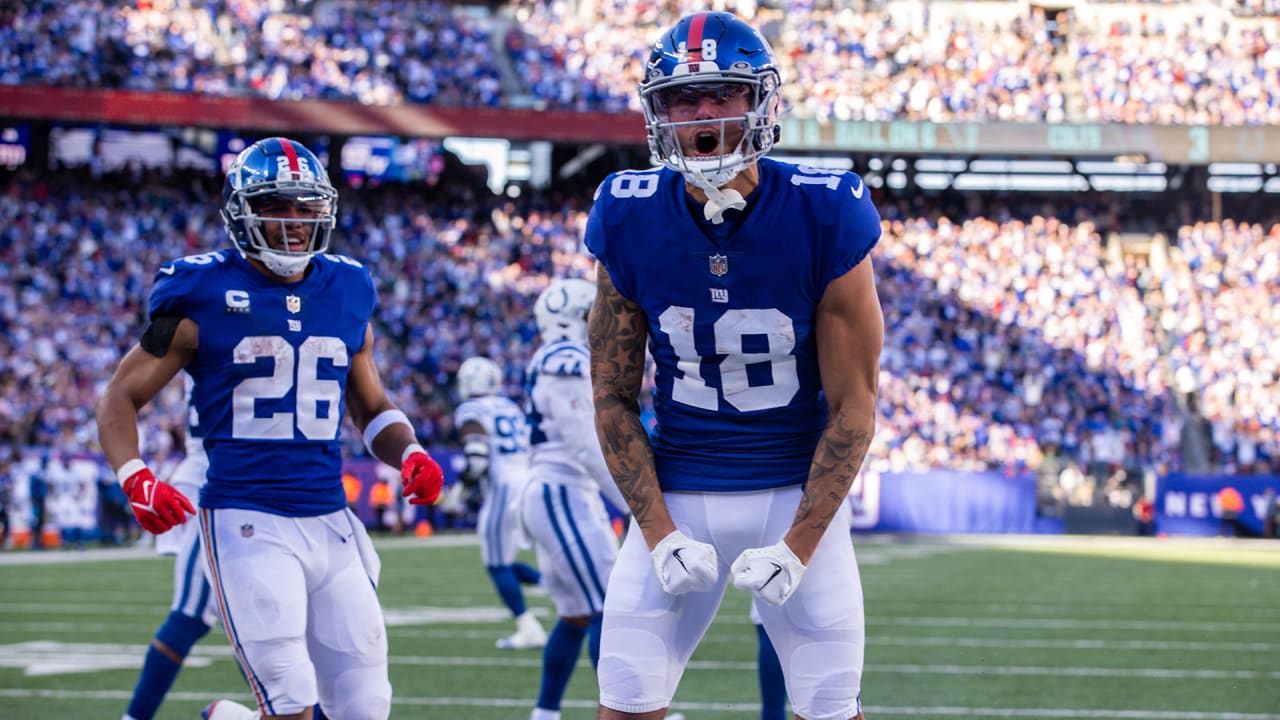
(829, 188)
(342, 260)
(191, 263)
(631, 184)
(184, 285)
(628, 197)
(467, 411)
(565, 360)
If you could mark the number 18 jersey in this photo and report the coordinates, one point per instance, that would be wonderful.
(732, 318)
(270, 375)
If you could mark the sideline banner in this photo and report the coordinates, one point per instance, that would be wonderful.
(1188, 504)
(944, 502)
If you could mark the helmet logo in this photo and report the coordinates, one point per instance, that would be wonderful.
(563, 301)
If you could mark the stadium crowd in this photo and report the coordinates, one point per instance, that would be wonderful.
(1010, 337)
(1168, 63)
(376, 53)
(1219, 309)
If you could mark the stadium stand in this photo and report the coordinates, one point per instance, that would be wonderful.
(1178, 63)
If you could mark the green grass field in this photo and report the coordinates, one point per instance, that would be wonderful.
(975, 628)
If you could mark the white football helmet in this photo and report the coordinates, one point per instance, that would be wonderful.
(561, 310)
(478, 377)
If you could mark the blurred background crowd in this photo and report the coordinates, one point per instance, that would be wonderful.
(1207, 63)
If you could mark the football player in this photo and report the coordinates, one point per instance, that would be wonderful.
(562, 509)
(751, 281)
(495, 443)
(277, 338)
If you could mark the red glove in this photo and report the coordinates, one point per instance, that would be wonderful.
(158, 506)
(422, 477)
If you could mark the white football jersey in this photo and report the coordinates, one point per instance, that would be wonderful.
(561, 415)
(504, 423)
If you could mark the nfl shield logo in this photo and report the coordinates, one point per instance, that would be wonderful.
(719, 265)
(293, 303)
(246, 530)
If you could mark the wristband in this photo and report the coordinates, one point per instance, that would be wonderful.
(130, 469)
(383, 420)
(413, 448)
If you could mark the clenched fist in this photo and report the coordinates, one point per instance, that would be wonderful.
(158, 506)
(423, 478)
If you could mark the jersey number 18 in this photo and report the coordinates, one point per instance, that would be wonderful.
(730, 330)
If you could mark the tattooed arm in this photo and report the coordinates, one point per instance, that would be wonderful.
(617, 331)
(850, 333)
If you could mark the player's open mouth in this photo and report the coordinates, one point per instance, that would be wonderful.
(706, 142)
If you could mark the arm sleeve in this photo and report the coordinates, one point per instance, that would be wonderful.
(475, 449)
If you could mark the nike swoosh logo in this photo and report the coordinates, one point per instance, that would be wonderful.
(857, 190)
(146, 488)
(167, 269)
(676, 554)
(777, 570)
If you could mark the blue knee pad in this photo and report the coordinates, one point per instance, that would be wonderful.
(180, 632)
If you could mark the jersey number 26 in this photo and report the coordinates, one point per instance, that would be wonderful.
(312, 392)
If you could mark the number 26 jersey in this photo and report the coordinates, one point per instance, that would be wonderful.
(732, 318)
(270, 375)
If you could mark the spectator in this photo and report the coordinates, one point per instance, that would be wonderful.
(1144, 516)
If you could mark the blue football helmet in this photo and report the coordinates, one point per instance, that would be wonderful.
(278, 180)
(718, 56)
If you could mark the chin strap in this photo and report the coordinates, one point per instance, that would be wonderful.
(718, 201)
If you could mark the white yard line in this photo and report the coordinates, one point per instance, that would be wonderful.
(1074, 624)
(915, 669)
(700, 707)
(21, 653)
(912, 641)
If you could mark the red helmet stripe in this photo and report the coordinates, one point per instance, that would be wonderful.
(290, 153)
(695, 35)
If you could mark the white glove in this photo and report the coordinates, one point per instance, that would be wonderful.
(684, 565)
(770, 573)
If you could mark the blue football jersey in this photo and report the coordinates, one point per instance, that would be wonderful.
(195, 433)
(270, 375)
(732, 318)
